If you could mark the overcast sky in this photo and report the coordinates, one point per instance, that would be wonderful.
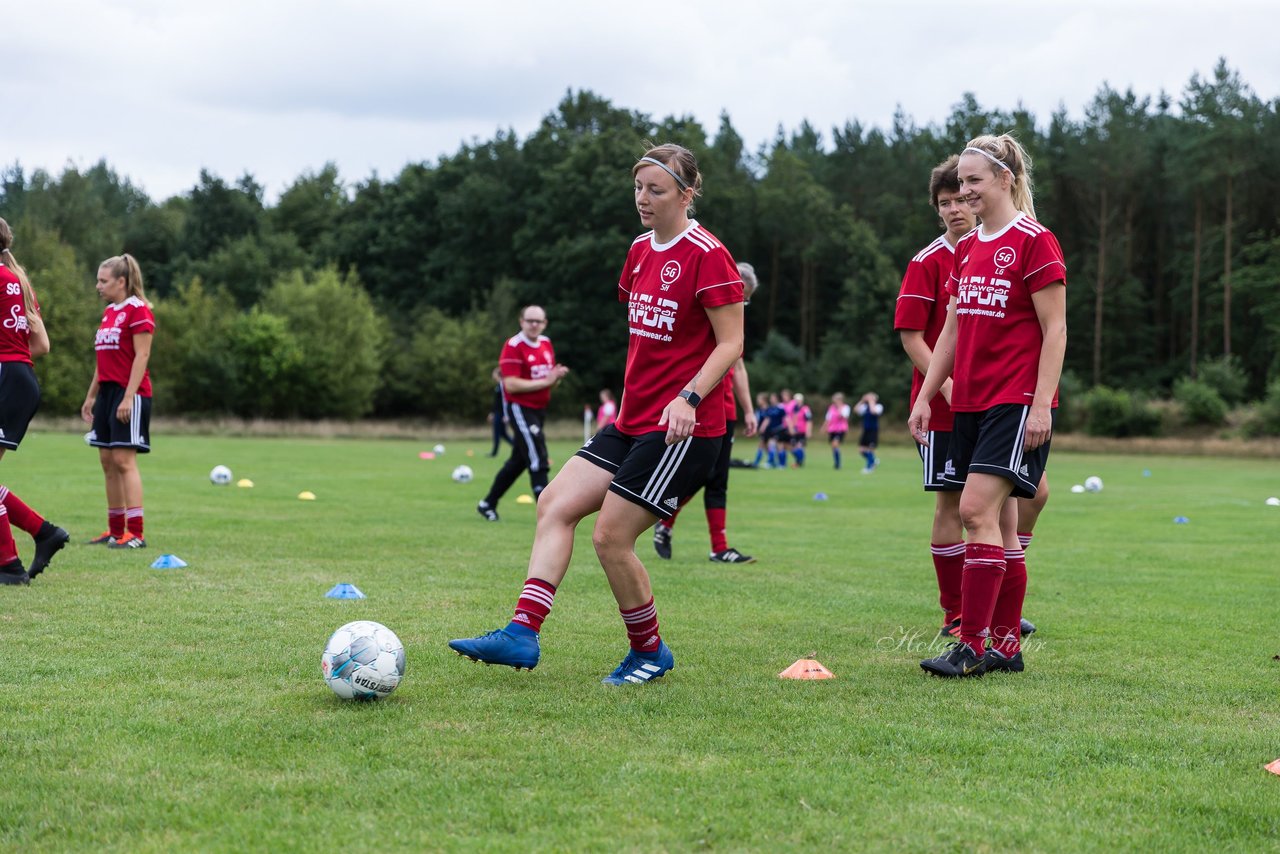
(163, 88)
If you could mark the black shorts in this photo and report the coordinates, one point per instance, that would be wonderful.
(869, 438)
(529, 447)
(990, 442)
(936, 456)
(109, 431)
(649, 472)
(835, 436)
(798, 439)
(19, 400)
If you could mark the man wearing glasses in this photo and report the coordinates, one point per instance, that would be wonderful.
(529, 370)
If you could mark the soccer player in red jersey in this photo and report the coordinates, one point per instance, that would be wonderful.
(684, 311)
(1002, 344)
(920, 314)
(118, 403)
(715, 494)
(529, 372)
(22, 336)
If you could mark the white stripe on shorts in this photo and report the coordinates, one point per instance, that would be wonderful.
(666, 469)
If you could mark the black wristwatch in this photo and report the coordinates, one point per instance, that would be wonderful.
(692, 397)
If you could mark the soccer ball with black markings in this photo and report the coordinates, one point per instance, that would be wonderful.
(220, 476)
(463, 474)
(363, 660)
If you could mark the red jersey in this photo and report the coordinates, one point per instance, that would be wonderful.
(730, 405)
(15, 333)
(667, 288)
(528, 361)
(114, 342)
(922, 307)
(998, 335)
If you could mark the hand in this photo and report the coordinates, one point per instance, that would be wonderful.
(558, 372)
(86, 410)
(125, 410)
(680, 419)
(749, 423)
(1039, 428)
(918, 423)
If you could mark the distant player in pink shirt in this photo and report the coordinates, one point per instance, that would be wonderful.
(22, 337)
(683, 298)
(608, 411)
(1003, 344)
(118, 403)
(836, 424)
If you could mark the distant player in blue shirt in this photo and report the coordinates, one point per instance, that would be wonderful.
(870, 409)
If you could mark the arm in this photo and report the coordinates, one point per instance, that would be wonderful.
(920, 355)
(1051, 310)
(940, 366)
(519, 385)
(38, 340)
(742, 388)
(141, 355)
(86, 408)
(726, 324)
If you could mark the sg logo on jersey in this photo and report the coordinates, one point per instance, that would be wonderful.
(1005, 256)
(670, 272)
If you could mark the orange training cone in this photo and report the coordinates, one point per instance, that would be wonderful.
(807, 668)
(1274, 767)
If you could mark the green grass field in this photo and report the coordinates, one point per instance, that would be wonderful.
(183, 710)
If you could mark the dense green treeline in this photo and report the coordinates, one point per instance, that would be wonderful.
(391, 296)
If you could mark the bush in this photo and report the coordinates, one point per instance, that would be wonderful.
(1201, 404)
(1226, 376)
(1115, 412)
(1266, 416)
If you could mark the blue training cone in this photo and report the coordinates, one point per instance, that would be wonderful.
(1180, 520)
(168, 562)
(344, 591)
(821, 496)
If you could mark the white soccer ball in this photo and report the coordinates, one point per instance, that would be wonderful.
(439, 449)
(221, 475)
(1093, 484)
(463, 474)
(1078, 489)
(363, 660)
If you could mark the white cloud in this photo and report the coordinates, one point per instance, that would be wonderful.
(161, 90)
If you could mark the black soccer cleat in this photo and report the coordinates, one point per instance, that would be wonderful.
(731, 555)
(998, 662)
(487, 512)
(958, 661)
(950, 630)
(662, 541)
(49, 541)
(14, 573)
(1026, 627)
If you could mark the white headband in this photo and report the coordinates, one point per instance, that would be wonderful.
(667, 169)
(987, 154)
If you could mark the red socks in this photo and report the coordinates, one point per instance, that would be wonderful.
(716, 525)
(948, 565)
(19, 513)
(133, 519)
(1024, 537)
(642, 626)
(984, 568)
(1006, 619)
(115, 521)
(534, 603)
(8, 548)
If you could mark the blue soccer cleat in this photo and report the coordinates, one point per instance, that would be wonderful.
(640, 667)
(500, 646)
